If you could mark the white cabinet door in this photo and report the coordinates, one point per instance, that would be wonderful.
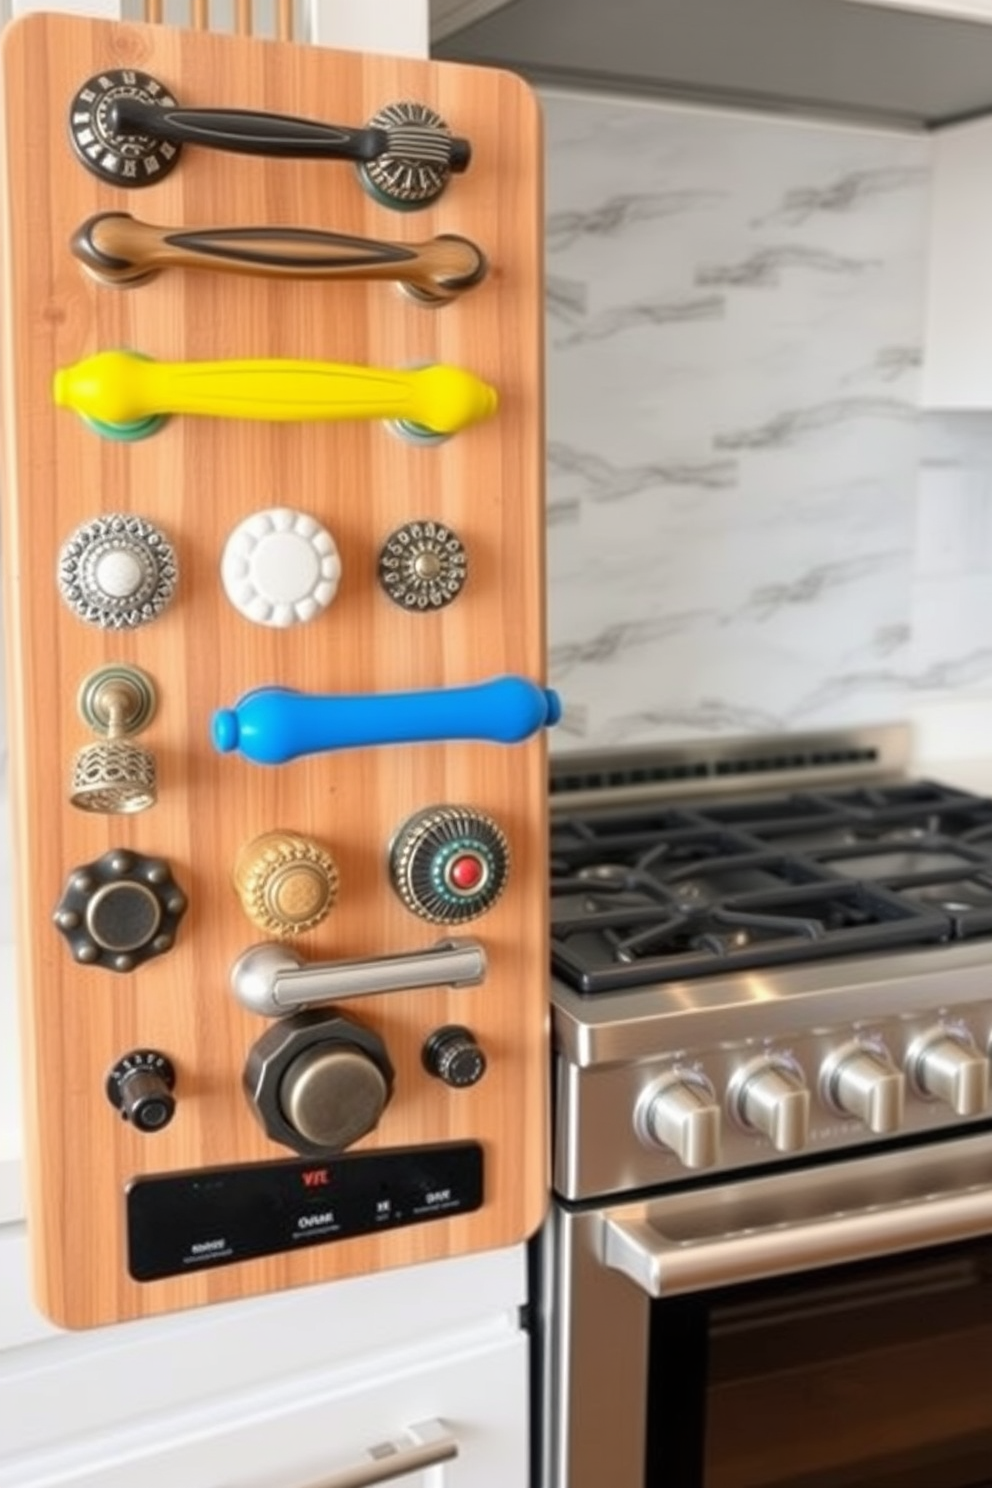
(463, 1401)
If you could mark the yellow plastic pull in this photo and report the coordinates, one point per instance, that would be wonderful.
(127, 396)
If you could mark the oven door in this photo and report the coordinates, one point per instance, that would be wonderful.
(817, 1328)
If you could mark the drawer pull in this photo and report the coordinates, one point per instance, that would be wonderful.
(117, 249)
(431, 1445)
(127, 396)
(272, 725)
(270, 980)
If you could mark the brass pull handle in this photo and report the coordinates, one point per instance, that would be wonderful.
(427, 1444)
(117, 249)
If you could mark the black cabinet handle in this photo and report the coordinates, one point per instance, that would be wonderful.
(128, 129)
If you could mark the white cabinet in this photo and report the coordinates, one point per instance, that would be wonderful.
(462, 1404)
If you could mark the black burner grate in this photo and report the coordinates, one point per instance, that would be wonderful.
(647, 896)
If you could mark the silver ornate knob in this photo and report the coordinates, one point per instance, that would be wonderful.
(117, 571)
(946, 1064)
(859, 1080)
(680, 1112)
(769, 1096)
(423, 566)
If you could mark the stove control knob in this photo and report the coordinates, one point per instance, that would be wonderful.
(140, 1086)
(859, 1080)
(680, 1112)
(946, 1064)
(769, 1096)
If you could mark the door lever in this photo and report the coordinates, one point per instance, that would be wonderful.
(127, 129)
(270, 980)
(117, 249)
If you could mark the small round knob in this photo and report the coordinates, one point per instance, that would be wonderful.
(768, 1095)
(120, 910)
(680, 1112)
(449, 864)
(286, 883)
(421, 156)
(859, 1080)
(280, 568)
(452, 1055)
(117, 572)
(318, 1082)
(422, 566)
(140, 1087)
(946, 1064)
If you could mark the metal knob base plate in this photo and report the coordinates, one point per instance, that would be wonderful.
(121, 159)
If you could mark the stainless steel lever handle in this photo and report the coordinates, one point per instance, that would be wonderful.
(431, 1445)
(271, 980)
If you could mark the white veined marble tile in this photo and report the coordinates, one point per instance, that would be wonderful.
(734, 324)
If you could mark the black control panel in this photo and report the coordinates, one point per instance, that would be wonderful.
(184, 1222)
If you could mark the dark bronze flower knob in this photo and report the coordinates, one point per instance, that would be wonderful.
(120, 910)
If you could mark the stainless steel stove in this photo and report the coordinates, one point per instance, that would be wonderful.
(772, 1011)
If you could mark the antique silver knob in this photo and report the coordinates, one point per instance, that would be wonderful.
(680, 1112)
(946, 1064)
(117, 572)
(861, 1080)
(422, 566)
(115, 776)
(769, 1096)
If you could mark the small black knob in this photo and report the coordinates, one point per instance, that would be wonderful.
(140, 1086)
(452, 1054)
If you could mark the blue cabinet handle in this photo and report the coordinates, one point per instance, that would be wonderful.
(271, 725)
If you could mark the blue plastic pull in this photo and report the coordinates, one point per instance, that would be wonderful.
(271, 725)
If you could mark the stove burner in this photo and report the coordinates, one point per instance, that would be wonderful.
(648, 896)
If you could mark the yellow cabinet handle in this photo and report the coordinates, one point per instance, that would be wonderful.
(127, 396)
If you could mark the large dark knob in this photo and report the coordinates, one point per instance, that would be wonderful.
(449, 864)
(120, 910)
(140, 1086)
(318, 1082)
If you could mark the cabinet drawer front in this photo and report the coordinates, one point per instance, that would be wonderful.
(299, 1434)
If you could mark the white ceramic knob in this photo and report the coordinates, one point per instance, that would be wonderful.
(280, 567)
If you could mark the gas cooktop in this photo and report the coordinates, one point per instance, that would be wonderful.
(649, 893)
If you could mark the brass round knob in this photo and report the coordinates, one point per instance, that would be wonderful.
(286, 883)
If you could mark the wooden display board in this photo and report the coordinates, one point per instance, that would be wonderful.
(195, 480)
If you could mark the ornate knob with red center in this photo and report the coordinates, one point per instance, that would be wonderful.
(449, 864)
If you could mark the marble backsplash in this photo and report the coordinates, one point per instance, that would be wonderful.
(751, 527)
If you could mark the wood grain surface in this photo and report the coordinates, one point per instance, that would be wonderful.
(197, 479)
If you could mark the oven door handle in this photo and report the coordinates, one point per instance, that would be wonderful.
(789, 1222)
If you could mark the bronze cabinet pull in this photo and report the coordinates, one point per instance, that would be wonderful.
(118, 249)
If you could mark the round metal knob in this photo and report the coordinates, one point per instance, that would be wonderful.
(452, 1055)
(418, 163)
(318, 1082)
(280, 568)
(768, 1096)
(946, 1064)
(140, 1087)
(680, 1112)
(116, 776)
(286, 883)
(859, 1080)
(120, 910)
(449, 864)
(130, 159)
(422, 566)
(117, 572)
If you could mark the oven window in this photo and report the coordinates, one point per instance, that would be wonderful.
(878, 1376)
